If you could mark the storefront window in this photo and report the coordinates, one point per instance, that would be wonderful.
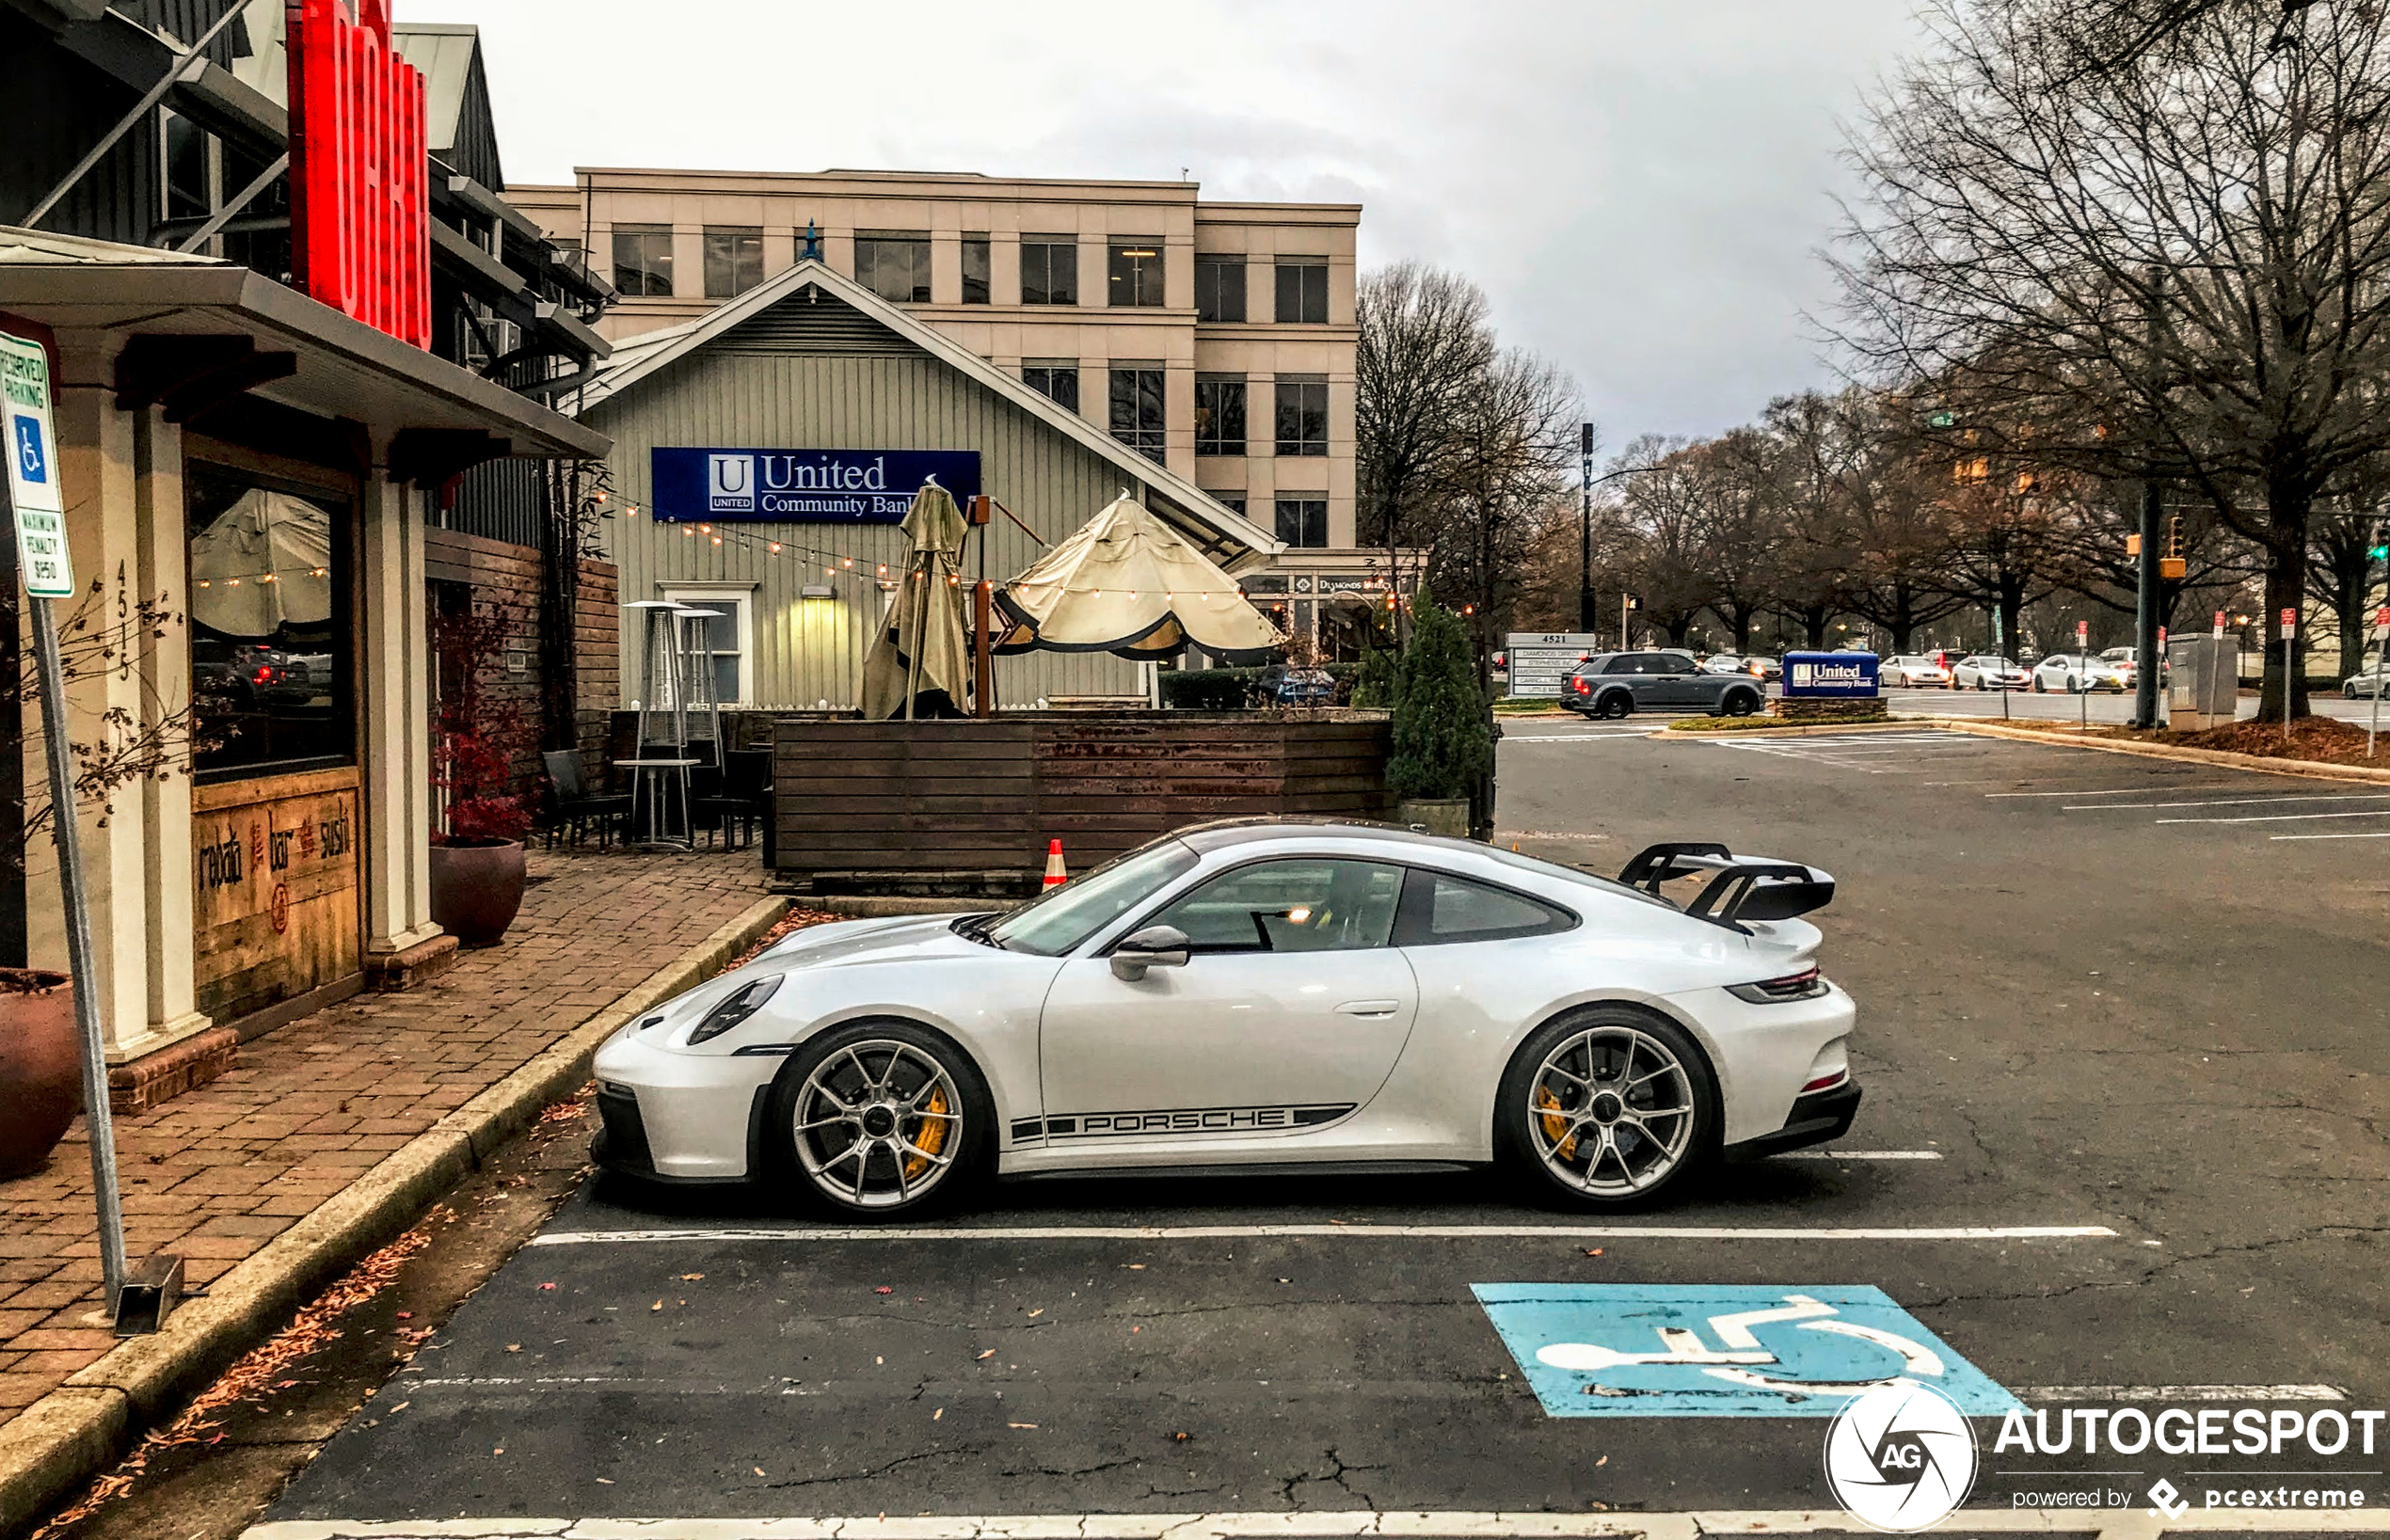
(272, 659)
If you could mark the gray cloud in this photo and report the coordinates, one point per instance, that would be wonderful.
(1640, 186)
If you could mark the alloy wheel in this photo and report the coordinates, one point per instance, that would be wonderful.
(878, 1124)
(1610, 1111)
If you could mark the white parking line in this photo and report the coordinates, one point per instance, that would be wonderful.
(1861, 1155)
(1328, 1524)
(829, 1233)
(2117, 792)
(2225, 802)
(2281, 817)
(2183, 1392)
(2330, 837)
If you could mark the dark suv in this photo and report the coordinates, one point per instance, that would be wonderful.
(1614, 684)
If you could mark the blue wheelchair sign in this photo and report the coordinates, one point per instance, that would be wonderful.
(1675, 1350)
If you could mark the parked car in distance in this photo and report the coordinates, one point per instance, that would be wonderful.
(2367, 683)
(2068, 672)
(1764, 667)
(2127, 662)
(1724, 662)
(1988, 670)
(1285, 686)
(1618, 684)
(1915, 671)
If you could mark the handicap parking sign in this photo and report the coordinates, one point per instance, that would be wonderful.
(1677, 1350)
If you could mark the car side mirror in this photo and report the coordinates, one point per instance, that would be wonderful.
(1155, 946)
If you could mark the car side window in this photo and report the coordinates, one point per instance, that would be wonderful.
(1626, 665)
(1671, 663)
(1440, 909)
(1290, 906)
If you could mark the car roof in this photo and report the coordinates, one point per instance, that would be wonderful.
(1223, 833)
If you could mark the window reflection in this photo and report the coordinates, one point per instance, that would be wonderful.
(270, 639)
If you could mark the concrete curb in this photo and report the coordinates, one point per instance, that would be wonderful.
(82, 1428)
(2223, 759)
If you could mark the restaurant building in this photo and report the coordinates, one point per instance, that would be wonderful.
(265, 411)
(1216, 339)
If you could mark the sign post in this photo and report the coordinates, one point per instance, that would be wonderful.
(2380, 644)
(34, 505)
(2289, 634)
(2082, 660)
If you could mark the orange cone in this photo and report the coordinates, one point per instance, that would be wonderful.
(1056, 874)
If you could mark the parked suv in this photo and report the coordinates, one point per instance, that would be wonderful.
(1616, 684)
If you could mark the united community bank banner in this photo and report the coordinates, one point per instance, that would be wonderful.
(802, 486)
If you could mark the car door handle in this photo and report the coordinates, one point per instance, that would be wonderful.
(1369, 1007)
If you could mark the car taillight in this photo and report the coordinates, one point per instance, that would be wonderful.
(1579, 685)
(1806, 985)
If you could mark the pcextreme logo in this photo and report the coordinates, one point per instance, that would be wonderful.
(1901, 1457)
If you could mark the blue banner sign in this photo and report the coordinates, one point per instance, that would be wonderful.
(802, 485)
(1829, 675)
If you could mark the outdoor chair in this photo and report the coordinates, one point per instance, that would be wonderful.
(744, 800)
(573, 807)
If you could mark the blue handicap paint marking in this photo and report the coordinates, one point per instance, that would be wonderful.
(1702, 1350)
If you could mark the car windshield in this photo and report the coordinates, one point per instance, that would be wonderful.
(1063, 917)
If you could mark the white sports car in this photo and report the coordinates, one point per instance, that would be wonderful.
(1261, 995)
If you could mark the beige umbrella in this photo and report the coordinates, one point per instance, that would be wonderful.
(921, 647)
(263, 562)
(1128, 584)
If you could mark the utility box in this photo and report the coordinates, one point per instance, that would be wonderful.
(2202, 681)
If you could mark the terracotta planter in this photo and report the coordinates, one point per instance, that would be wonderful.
(41, 1067)
(476, 890)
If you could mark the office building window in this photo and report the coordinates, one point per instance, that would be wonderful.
(1219, 288)
(1302, 416)
(1219, 415)
(1302, 291)
(894, 266)
(1057, 382)
(1233, 501)
(1136, 410)
(183, 173)
(1137, 273)
(975, 270)
(1303, 521)
(723, 643)
(643, 260)
(273, 648)
(1049, 270)
(734, 260)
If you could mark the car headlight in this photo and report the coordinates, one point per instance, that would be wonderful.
(735, 1008)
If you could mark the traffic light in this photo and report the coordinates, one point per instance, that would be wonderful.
(2380, 551)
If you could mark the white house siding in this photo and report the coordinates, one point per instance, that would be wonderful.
(749, 391)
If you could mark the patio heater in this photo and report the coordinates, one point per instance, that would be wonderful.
(660, 762)
(701, 692)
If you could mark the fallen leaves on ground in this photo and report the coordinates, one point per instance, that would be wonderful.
(796, 919)
(1020, 1424)
(989, 1354)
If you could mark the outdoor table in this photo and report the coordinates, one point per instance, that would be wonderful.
(648, 772)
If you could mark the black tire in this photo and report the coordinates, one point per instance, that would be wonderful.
(1614, 704)
(1522, 1130)
(1739, 703)
(819, 1171)
(2036, 685)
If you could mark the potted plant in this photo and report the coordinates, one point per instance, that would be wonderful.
(478, 736)
(41, 1051)
(1443, 744)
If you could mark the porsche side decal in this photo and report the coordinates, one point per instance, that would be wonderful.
(1122, 1125)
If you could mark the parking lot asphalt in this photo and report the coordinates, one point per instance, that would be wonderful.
(2125, 1138)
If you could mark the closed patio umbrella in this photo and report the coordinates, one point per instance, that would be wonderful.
(264, 562)
(920, 650)
(1127, 583)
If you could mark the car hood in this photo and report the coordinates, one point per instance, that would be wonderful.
(846, 944)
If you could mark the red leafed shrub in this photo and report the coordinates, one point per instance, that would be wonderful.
(478, 735)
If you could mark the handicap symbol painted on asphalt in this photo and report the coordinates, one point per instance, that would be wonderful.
(1676, 1350)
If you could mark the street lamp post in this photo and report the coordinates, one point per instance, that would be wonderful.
(1584, 553)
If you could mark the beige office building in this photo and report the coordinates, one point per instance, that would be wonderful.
(1217, 338)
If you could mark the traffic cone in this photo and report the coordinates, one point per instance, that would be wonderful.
(1056, 874)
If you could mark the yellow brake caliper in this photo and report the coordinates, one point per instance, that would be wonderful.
(930, 1133)
(1556, 1124)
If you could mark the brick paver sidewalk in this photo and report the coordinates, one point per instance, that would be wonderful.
(218, 1171)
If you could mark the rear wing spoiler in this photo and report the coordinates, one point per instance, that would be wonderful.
(1744, 888)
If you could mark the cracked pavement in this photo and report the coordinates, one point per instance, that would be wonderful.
(2174, 1031)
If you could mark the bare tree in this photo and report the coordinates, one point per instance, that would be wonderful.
(2170, 263)
(1424, 341)
(1513, 443)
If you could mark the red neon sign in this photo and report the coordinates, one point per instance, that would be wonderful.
(360, 240)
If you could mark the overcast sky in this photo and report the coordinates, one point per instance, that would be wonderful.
(1640, 184)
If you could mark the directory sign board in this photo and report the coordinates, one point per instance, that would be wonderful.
(1540, 661)
(31, 440)
(1830, 676)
